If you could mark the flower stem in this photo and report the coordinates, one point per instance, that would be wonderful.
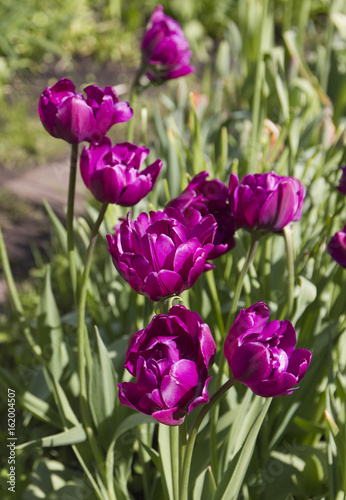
(192, 437)
(290, 266)
(240, 281)
(70, 217)
(82, 337)
(135, 87)
(259, 79)
(175, 465)
(231, 317)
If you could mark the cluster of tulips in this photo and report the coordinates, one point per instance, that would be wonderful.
(163, 253)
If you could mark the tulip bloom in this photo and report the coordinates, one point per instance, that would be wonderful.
(265, 202)
(165, 50)
(67, 115)
(158, 255)
(342, 186)
(262, 355)
(202, 197)
(170, 359)
(112, 173)
(337, 247)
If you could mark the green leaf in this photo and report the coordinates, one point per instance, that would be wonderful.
(102, 390)
(233, 478)
(49, 331)
(58, 227)
(131, 422)
(205, 486)
(71, 436)
(39, 408)
(165, 460)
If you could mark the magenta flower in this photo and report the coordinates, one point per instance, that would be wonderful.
(202, 197)
(112, 173)
(67, 115)
(342, 186)
(337, 247)
(158, 255)
(262, 355)
(165, 49)
(265, 202)
(170, 359)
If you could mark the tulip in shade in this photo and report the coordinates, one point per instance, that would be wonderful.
(158, 254)
(262, 355)
(112, 173)
(164, 48)
(265, 202)
(342, 186)
(337, 247)
(170, 359)
(202, 197)
(67, 115)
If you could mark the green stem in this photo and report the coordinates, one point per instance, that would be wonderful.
(175, 465)
(216, 306)
(70, 217)
(290, 266)
(82, 337)
(135, 88)
(231, 317)
(193, 434)
(240, 281)
(259, 78)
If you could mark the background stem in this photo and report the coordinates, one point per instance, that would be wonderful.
(70, 217)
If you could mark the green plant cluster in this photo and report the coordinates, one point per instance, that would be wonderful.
(272, 98)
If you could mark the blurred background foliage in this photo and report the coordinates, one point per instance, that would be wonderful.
(99, 41)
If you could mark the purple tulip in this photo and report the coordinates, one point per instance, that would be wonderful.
(165, 49)
(265, 202)
(262, 355)
(202, 197)
(158, 255)
(112, 173)
(170, 359)
(342, 186)
(337, 247)
(69, 116)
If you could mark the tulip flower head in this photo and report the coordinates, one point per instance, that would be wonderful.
(67, 115)
(265, 202)
(158, 255)
(203, 197)
(165, 50)
(337, 247)
(262, 355)
(170, 359)
(112, 173)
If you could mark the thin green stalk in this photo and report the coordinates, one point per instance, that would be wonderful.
(216, 306)
(230, 320)
(259, 78)
(135, 87)
(70, 217)
(82, 337)
(175, 465)
(240, 281)
(192, 437)
(290, 266)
